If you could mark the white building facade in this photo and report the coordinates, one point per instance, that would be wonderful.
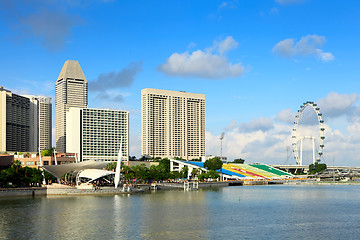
(95, 134)
(172, 124)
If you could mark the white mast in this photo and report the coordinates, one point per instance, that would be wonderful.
(118, 166)
(55, 156)
(41, 165)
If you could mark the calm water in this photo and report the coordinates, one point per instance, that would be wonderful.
(252, 212)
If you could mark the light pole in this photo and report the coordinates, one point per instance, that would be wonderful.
(221, 138)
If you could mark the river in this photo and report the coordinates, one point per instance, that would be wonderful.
(243, 212)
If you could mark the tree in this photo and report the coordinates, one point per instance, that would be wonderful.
(213, 164)
(185, 171)
(195, 172)
(212, 174)
(317, 167)
(175, 175)
(140, 172)
(164, 165)
(239, 160)
(47, 152)
(111, 166)
(16, 164)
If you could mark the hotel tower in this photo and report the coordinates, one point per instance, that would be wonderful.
(172, 124)
(71, 90)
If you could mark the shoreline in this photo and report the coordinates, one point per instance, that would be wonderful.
(141, 188)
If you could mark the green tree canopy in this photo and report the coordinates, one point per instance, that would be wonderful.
(164, 165)
(213, 164)
(239, 160)
(317, 167)
(47, 152)
(20, 176)
(185, 171)
(111, 166)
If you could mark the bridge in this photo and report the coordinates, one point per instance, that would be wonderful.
(305, 168)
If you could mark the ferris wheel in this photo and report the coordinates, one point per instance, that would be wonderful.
(296, 138)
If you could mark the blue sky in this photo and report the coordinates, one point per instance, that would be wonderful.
(257, 62)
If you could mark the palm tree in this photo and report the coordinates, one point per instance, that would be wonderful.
(16, 165)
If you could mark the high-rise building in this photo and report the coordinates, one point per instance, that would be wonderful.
(95, 134)
(45, 123)
(71, 90)
(40, 123)
(15, 122)
(172, 124)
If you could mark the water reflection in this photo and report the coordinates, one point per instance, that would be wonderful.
(263, 212)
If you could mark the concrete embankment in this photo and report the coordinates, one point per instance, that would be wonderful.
(43, 191)
(58, 189)
(22, 192)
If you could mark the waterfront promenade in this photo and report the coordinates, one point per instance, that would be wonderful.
(58, 189)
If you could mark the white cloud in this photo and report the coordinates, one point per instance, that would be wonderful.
(286, 2)
(226, 45)
(286, 116)
(335, 104)
(306, 46)
(204, 64)
(228, 4)
(259, 124)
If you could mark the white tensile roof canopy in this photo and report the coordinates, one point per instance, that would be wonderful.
(59, 170)
(94, 174)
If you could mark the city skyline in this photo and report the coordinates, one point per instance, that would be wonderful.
(256, 62)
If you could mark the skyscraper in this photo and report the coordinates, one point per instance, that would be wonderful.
(172, 124)
(71, 90)
(40, 123)
(15, 122)
(95, 134)
(45, 123)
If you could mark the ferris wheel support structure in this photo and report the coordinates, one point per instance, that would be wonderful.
(296, 138)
